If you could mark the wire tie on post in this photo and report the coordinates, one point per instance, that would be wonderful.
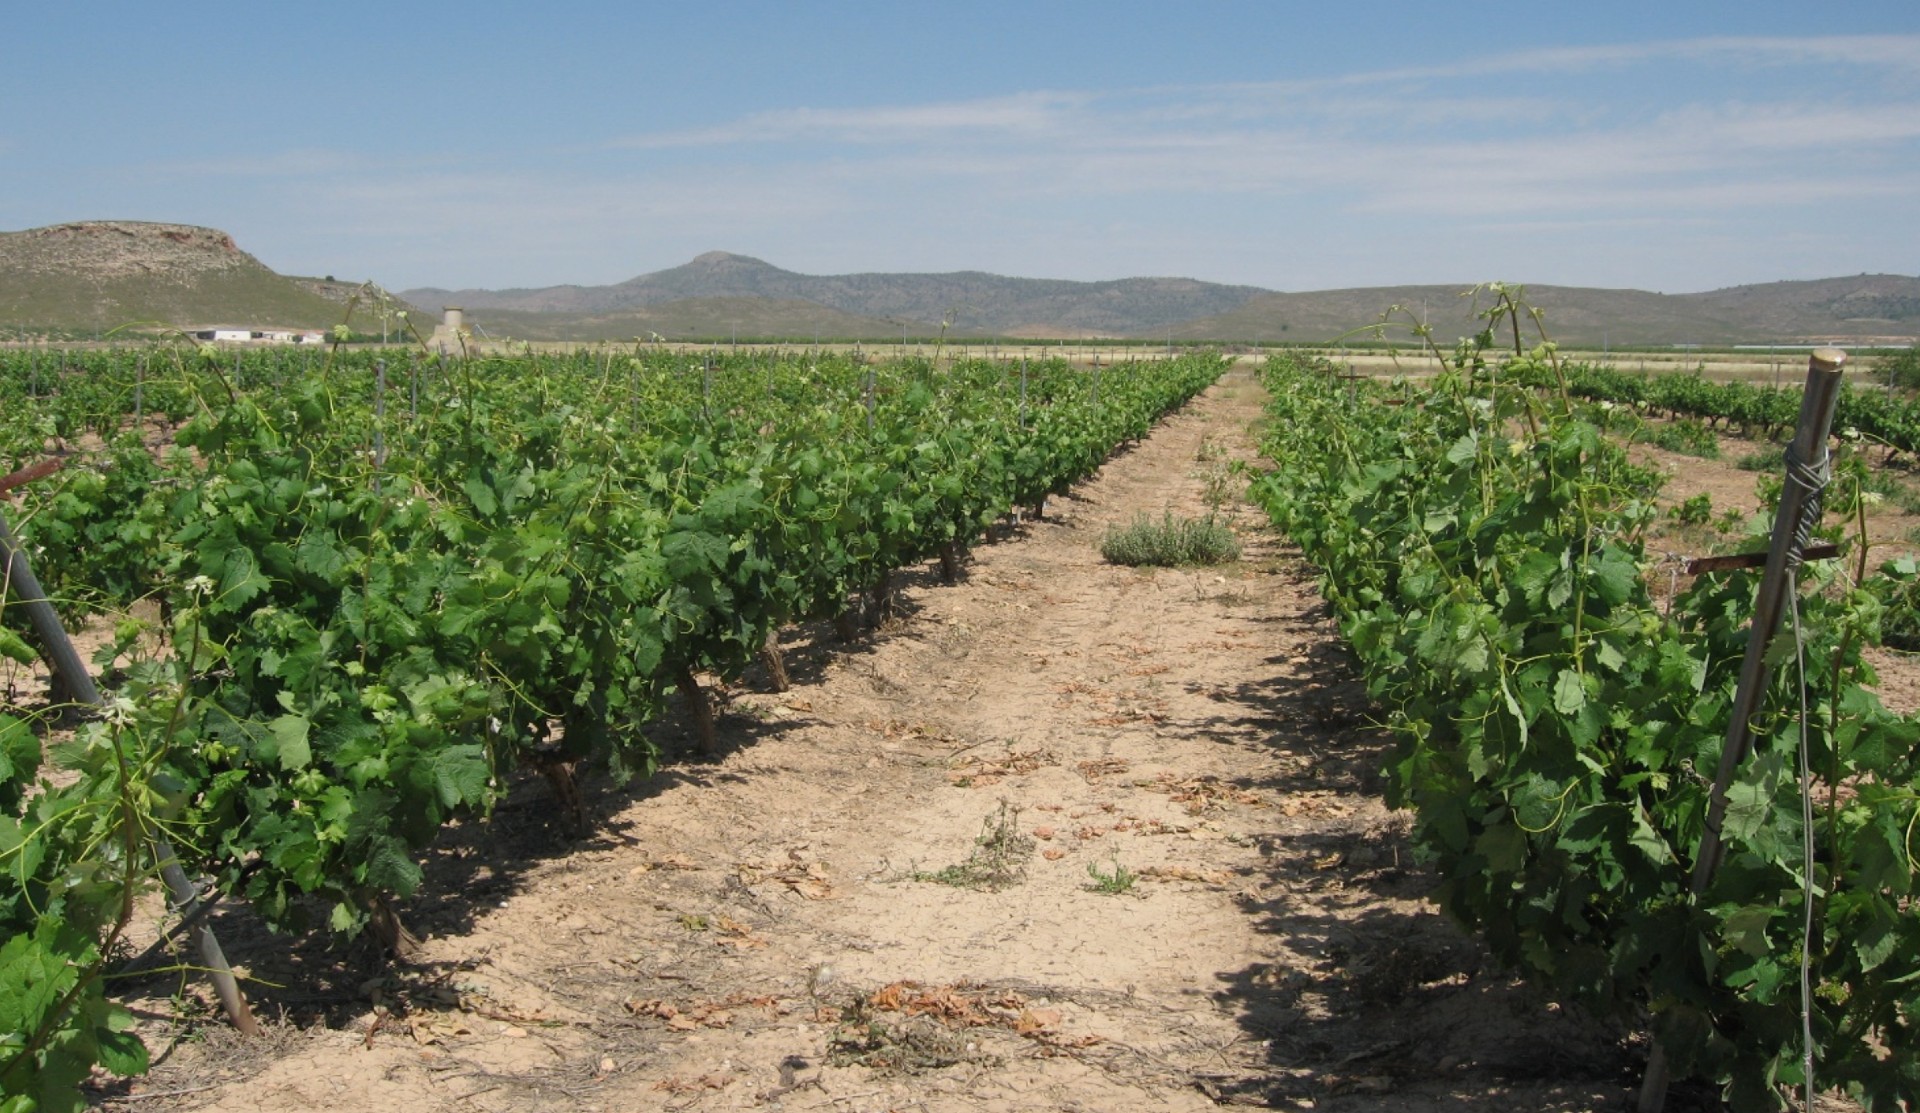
(1813, 478)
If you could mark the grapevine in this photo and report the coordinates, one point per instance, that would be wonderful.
(384, 592)
(1480, 542)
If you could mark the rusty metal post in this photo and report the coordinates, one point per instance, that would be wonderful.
(66, 664)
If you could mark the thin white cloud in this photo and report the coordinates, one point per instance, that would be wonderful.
(1672, 201)
(1892, 52)
(1029, 114)
(1799, 127)
(1645, 163)
(301, 162)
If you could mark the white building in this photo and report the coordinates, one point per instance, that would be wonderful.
(257, 336)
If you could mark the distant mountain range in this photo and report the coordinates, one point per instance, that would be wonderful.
(1858, 311)
(735, 293)
(970, 302)
(93, 276)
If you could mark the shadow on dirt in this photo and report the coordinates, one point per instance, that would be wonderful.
(477, 863)
(1374, 999)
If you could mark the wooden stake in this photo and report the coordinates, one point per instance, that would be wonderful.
(701, 709)
(775, 661)
(880, 600)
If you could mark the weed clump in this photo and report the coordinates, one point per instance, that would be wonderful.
(908, 1045)
(1120, 880)
(999, 858)
(1170, 542)
(1685, 436)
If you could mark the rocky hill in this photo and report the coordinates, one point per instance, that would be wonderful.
(1858, 311)
(99, 275)
(1863, 304)
(969, 302)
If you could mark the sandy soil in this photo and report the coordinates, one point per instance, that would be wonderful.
(888, 893)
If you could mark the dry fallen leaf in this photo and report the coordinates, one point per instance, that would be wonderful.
(808, 879)
(1033, 1020)
(678, 1085)
(428, 1028)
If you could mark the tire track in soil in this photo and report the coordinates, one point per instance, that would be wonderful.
(722, 941)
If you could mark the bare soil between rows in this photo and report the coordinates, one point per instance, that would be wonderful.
(1063, 835)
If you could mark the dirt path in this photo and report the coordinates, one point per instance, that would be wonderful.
(1064, 836)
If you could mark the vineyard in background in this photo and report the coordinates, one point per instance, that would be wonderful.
(1481, 538)
(348, 598)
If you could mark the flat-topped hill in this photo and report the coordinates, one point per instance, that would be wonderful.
(100, 275)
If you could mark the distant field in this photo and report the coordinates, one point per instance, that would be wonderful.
(1781, 367)
(1756, 367)
(1786, 365)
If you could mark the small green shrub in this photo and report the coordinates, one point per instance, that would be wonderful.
(1113, 883)
(1222, 481)
(1696, 511)
(1889, 486)
(1170, 542)
(1903, 367)
(1898, 587)
(1685, 436)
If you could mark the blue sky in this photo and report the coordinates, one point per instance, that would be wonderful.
(1675, 146)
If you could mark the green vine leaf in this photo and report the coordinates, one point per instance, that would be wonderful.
(290, 746)
(1569, 693)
